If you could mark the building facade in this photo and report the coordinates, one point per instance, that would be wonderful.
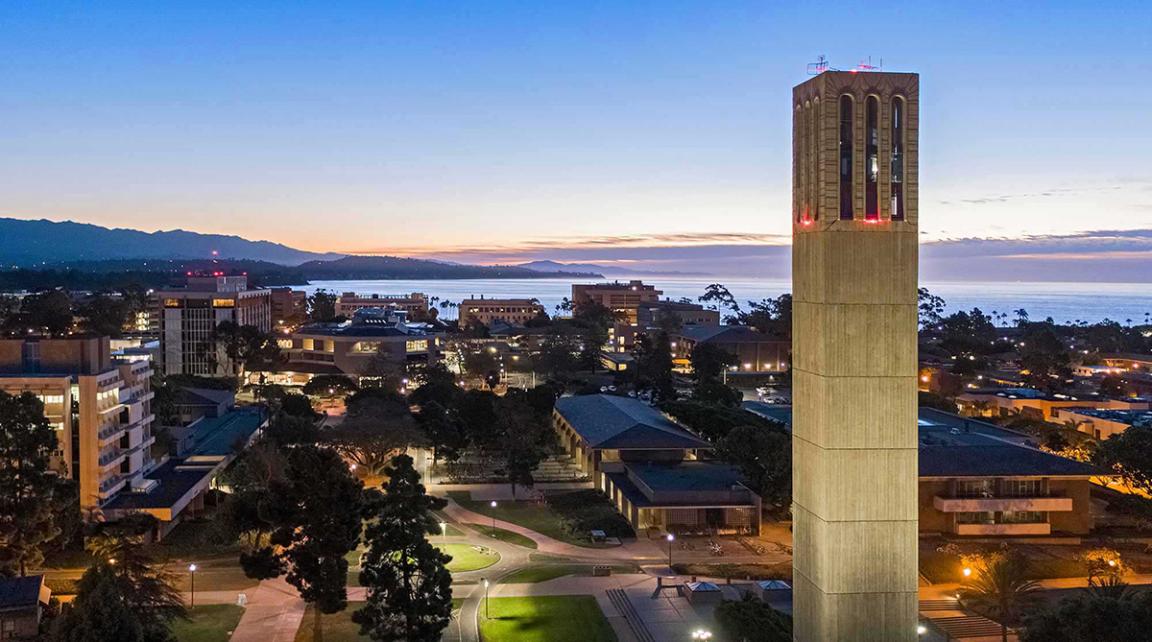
(102, 410)
(488, 311)
(415, 304)
(755, 352)
(189, 317)
(855, 244)
(289, 307)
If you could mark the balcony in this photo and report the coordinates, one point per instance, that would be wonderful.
(1043, 528)
(993, 504)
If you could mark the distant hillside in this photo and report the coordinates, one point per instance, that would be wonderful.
(606, 270)
(27, 243)
(392, 267)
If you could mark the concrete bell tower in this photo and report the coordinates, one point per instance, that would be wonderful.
(854, 282)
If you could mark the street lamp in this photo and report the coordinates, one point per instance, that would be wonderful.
(701, 634)
(670, 538)
(921, 629)
(486, 612)
(493, 505)
(967, 572)
(192, 575)
(444, 531)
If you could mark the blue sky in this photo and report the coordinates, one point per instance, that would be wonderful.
(497, 131)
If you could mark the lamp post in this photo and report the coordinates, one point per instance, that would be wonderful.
(493, 505)
(670, 538)
(192, 576)
(444, 531)
(486, 612)
(701, 634)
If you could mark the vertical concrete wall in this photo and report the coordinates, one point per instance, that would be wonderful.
(855, 373)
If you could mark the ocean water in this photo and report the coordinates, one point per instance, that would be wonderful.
(1064, 302)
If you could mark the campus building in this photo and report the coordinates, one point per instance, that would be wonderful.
(977, 479)
(288, 307)
(373, 343)
(23, 601)
(414, 304)
(625, 300)
(101, 410)
(854, 273)
(754, 351)
(513, 312)
(189, 317)
(649, 466)
(1103, 423)
(1035, 404)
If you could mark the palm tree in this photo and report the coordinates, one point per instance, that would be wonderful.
(999, 587)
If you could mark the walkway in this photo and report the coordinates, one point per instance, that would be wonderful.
(273, 613)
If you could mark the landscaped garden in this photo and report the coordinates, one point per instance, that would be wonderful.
(504, 535)
(554, 618)
(339, 627)
(466, 557)
(543, 573)
(209, 623)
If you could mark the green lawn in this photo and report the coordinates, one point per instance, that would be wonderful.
(220, 574)
(536, 516)
(504, 535)
(210, 623)
(554, 618)
(534, 574)
(465, 557)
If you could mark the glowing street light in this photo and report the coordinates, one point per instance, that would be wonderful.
(486, 612)
(921, 629)
(192, 576)
(670, 539)
(493, 505)
(701, 634)
(967, 572)
(444, 531)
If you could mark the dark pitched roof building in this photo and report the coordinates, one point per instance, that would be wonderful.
(610, 422)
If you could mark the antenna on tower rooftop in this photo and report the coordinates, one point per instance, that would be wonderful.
(818, 67)
(868, 66)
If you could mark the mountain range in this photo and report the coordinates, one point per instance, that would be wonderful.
(605, 270)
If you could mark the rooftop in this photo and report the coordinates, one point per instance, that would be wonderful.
(175, 480)
(606, 421)
(687, 476)
(1138, 418)
(20, 592)
(726, 333)
(219, 436)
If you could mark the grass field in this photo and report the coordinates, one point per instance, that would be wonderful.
(504, 536)
(334, 626)
(210, 623)
(465, 557)
(535, 516)
(534, 574)
(554, 618)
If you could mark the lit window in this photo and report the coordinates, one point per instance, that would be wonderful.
(846, 158)
(897, 178)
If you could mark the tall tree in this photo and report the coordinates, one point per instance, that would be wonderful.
(322, 305)
(708, 365)
(247, 346)
(1130, 454)
(770, 316)
(526, 437)
(105, 314)
(1107, 612)
(653, 357)
(100, 611)
(28, 488)
(315, 513)
(50, 310)
(147, 588)
(409, 587)
(718, 297)
(750, 619)
(764, 456)
(376, 428)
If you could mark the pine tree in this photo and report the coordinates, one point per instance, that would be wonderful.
(409, 587)
(28, 489)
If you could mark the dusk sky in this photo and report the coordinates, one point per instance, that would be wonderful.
(494, 131)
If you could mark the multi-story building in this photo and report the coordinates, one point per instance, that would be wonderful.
(415, 304)
(854, 273)
(508, 311)
(289, 307)
(102, 410)
(755, 352)
(1103, 423)
(189, 317)
(372, 343)
(622, 298)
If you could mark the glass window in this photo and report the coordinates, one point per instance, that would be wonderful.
(872, 158)
(975, 488)
(845, 158)
(897, 176)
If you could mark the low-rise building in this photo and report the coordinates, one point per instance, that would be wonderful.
(507, 311)
(755, 352)
(1034, 404)
(415, 304)
(289, 307)
(651, 314)
(1103, 423)
(648, 465)
(22, 604)
(978, 479)
(373, 343)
